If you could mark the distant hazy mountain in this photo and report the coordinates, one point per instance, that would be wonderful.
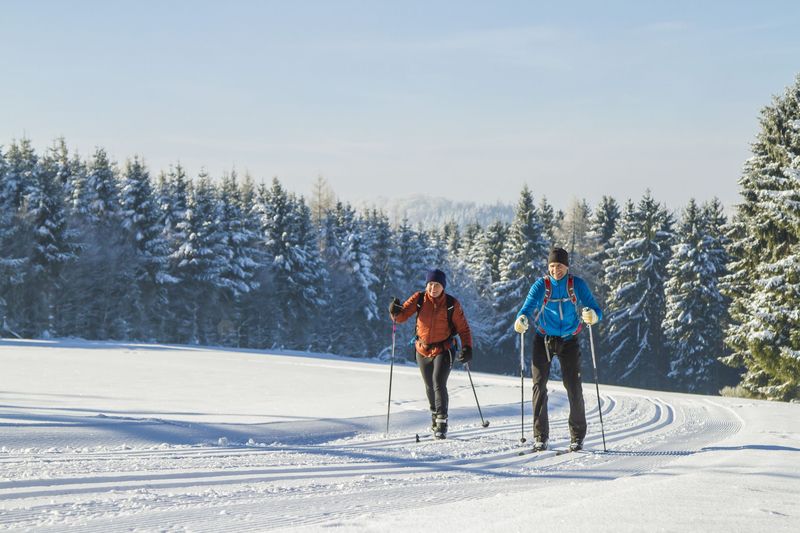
(435, 212)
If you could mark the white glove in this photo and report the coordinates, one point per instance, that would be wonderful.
(521, 325)
(589, 316)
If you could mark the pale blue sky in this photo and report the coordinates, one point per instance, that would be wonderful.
(462, 99)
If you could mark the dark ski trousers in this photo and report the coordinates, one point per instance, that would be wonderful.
(569, 355)
(435, 371)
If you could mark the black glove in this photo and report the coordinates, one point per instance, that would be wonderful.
(395, 307)
(466, 355)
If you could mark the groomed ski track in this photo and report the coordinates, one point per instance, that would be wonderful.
(328, 472)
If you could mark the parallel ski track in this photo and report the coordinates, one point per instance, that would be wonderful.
(270, 487)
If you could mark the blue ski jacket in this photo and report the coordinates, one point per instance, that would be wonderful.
(560, 317)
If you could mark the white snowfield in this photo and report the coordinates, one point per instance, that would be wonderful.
(125, 437)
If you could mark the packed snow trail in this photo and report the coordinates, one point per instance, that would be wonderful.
(176, 463)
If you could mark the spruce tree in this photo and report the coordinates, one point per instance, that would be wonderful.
(523, 260)
(20, 163)
(695, 312)
(103, 274)
(357, 260)
(602, 228)
(411, 262)
(550, 220)
(239, 260)
(96, 196)
(18, 169)
(635, 273)
(296, 273)
(254, 310)
(36, 243)
(386, 267)
(353, 304)
(451, 237)
(141, 220)
(172, 196)
(6, 229)
(310, 277)
(496, 235)
(198, 264)
(472, 233)
(717, 250)
(54, 243)
(433, 247)
(479, 264)
(763, 279)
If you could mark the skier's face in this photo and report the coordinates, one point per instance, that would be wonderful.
(434, 289)
(557, 270)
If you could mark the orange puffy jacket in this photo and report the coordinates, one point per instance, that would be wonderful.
(432, 326)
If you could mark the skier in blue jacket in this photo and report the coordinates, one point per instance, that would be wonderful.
(552, 306)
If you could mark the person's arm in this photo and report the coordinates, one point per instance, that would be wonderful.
(408, 308)
(462, 328)
(534, 299)
(461, 324)
(585, 297)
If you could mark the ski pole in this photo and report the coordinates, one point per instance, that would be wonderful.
(484, 423)
(391, 371)
(522, 387)
(597, 387)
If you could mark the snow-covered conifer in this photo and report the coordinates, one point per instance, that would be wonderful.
(198, 264)
(694, 307)
(95, 198)
(523, 260)
(635, 272)
(763, 279)
(141, 222)
(549, 219)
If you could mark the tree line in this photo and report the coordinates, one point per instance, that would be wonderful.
(693, 301)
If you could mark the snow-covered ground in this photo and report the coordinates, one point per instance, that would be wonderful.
(121, 437)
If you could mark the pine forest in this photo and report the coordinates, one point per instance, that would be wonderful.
(694, 299)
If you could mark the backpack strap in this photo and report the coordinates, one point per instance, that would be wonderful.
(451, 307)
(571, 292)
(420, 300)
(548, 290)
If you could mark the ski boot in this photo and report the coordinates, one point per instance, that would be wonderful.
(441, 427)
(433, 422)
(539, 444)
(576, 444)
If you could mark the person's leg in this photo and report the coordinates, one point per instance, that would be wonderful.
(540, 374)
(442, 364)
(570, 358)
(426, 370)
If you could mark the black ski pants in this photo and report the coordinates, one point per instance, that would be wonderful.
(569, 355)
(435, 371)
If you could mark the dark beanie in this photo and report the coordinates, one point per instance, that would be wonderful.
(558, 255)
(436, 275)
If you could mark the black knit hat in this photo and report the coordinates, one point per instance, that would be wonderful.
(558, 255)
(437, 276)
